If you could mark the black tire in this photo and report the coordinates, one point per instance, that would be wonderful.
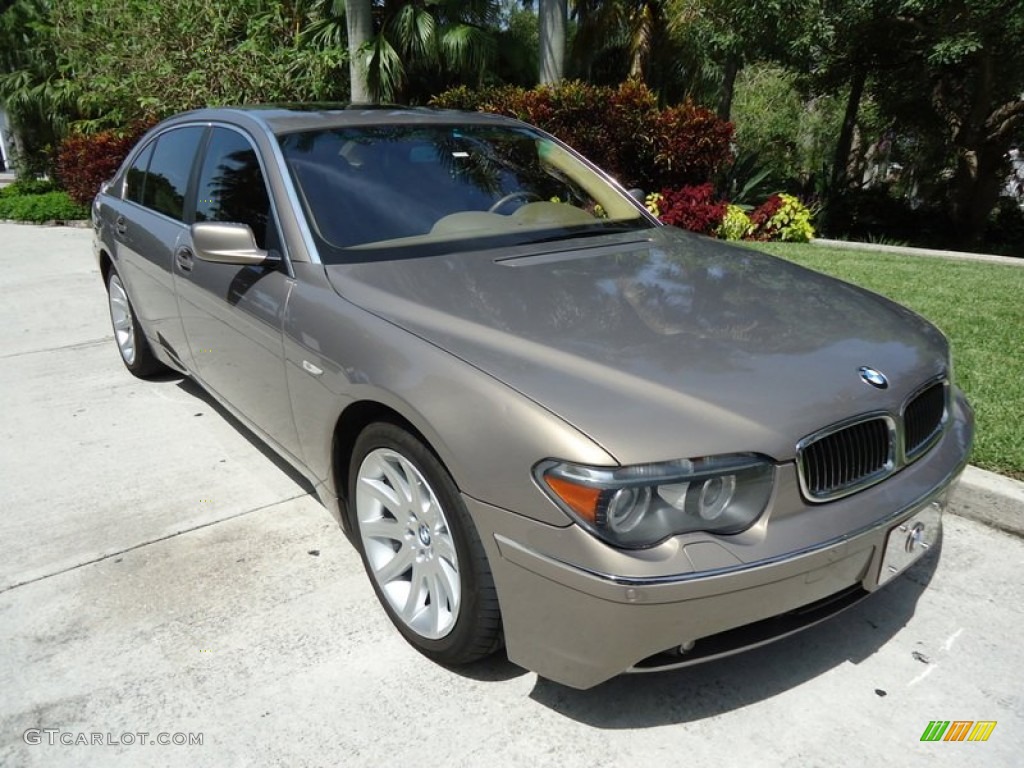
(476, 631)
(131, 342)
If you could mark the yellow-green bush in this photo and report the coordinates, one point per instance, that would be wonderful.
(792, 222)
(735, 224)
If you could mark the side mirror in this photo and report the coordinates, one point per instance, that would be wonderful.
(637, 194)
(228, 244)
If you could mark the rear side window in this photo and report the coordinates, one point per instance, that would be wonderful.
(231, 185)
(169, 171)
(135, 181)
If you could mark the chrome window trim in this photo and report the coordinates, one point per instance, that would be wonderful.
(209, 124)
(292, 194)
(285, 254)
(140, 148)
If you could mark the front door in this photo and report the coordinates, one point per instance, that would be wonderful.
(233, 315)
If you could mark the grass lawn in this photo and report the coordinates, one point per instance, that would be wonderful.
(979, 306)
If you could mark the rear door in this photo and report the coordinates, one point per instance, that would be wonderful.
(233, 316)
(147, 224)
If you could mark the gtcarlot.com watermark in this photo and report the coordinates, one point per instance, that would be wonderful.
(54, 736)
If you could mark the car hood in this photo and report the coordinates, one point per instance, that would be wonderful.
(660, 344)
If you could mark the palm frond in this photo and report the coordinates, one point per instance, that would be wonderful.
(467, 48)
(413, 31)
(641, 37)
(326, 33)
(385, 73)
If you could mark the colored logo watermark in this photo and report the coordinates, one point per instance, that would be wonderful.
(958, 730)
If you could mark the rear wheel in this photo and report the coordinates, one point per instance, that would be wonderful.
(131, 341)
(421, 549)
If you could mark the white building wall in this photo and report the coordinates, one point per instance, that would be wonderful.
(5, 143)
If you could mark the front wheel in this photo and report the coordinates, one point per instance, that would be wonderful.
(421, 549)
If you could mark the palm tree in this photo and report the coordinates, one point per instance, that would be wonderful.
(39, 103)
(359, 19)
(552, 21)
(631, 27)
(420, 48)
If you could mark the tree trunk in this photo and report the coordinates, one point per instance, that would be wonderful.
(18, 161)
(841, 160)
(982, 139)
(732, 68)
(979, 179)
(552, 15)
(359, 19)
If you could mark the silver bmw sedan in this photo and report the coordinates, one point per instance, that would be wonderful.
(547, 422)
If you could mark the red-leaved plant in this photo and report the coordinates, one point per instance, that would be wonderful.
(84, 161)
(620, 128)
(760, 228)
(692, 208)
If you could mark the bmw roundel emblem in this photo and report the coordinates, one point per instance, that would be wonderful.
(873, 377)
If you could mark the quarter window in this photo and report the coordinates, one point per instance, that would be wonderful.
(231, 186)
(136, 177)
(169, 171)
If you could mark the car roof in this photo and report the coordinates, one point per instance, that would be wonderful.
(290, 118)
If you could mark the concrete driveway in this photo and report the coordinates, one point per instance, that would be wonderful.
(162, 574)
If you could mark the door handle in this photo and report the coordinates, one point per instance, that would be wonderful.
(183, 257)
(121, 226)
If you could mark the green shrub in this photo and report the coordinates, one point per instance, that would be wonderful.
(49, 206)
(745, 179)
(792, 132)
(28, 187)
(1005, 231)
(621, 128)
(878, 214)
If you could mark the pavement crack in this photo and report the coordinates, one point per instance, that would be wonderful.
(76, 345)
(148, 542)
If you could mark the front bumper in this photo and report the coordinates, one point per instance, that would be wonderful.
(571, 620)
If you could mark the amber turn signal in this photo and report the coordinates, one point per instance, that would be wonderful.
(579, 498)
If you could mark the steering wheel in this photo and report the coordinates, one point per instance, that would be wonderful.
(517, 195)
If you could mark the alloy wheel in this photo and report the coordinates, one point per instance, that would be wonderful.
(408, 543)
(121, 317)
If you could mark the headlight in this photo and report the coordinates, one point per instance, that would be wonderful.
(642, 505)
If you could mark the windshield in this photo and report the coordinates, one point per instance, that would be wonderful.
(397, 191)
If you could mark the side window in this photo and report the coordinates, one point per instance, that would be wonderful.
(232, 189)
(135, 179)
(169, 171)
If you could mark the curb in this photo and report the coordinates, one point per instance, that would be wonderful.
(905, 250)
(991, 499)
(70, 223)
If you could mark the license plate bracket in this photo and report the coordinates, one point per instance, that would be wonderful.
(909, 540)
